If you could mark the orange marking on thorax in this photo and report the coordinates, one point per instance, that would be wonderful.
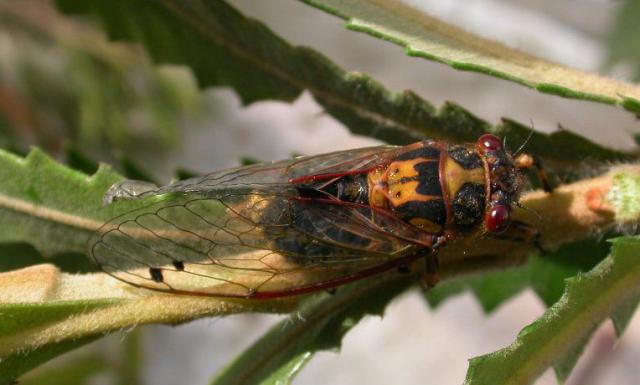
(397, 184)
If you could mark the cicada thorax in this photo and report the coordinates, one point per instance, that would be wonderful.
(411, 188)
(435, 186)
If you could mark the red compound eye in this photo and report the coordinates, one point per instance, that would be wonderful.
(490, 142)
(498, 218)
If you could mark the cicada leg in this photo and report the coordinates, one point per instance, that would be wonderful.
(519, 231)
(432, 262)
(526, 161)
(432, 265)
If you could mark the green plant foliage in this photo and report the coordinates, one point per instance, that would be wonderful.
(319, 324)
(610, 290)
(74, 372)
(133, 171)
(16, 364)
(128, 372)
(50, 206)
(46, 313)
(425, 36)
(244, 54)
(15, 256)
(624, 196)
(544, 274)
(64, 82)
(42, 173)
(624, 39)
(18, 318)
(78, 160)
(49, 210)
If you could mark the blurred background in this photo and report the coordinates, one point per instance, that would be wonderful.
(67, 90)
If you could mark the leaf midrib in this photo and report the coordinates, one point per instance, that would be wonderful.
(48, 214)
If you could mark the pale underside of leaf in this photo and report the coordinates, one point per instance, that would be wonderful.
(59, 308)
(426, 36)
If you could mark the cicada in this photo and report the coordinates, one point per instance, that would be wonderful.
(311, 223)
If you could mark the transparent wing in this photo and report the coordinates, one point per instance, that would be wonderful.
(246, 232)
(279, 173)
(242, 244)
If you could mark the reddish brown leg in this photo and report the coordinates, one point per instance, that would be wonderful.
(431, 277)
(526, 161)
(432, 263)
(542, 174)
(521, 232)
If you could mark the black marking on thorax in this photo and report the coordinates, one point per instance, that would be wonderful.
(468, 206)
(433, 210)
(465, 157)
(429, 178)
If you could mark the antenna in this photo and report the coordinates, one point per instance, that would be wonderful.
(526, 140)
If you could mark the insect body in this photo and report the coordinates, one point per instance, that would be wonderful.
(310, 223)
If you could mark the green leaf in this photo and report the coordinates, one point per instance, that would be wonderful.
(50, 206)
(624, 195)
(182, 173)
(78, 160)
(624, 38)
(18, 316)
(247, 161)
(15, 256)
(428, 37)
(623, 315)
(74, 372)
(129, 370)
(16, 364)
(134, 171)
(544, 274)
(558, 337)
(244, 54)
(94, 95)
(319, 324)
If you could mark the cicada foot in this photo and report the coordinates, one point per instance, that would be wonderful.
(127, 189)
(431, 277)
(527, 161)
(519, 231)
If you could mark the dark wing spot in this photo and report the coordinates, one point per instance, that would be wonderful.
(468, 206)
(465, 157)
(156, 274)
(179, 265)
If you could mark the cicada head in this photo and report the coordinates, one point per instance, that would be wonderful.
(505, 182)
